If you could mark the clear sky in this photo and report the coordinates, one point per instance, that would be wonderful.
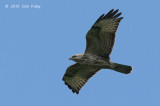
(35, 46)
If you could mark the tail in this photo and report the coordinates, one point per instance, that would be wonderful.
(121, 68)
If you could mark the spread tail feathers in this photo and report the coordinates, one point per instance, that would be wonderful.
(122, 68)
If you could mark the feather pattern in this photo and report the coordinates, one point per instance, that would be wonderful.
(100, 38)
(100, 41)
(77, 75)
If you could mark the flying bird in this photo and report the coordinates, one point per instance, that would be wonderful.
(100, 41)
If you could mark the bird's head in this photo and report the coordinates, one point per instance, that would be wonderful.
(76, 57)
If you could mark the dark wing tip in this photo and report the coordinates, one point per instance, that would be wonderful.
(77, 92)
(115, 11)
(63, 79)
(100, 18)
(67, 84)
(73, 90)
(119, 19)
(111, 15)
(117, 15)
(110, 11)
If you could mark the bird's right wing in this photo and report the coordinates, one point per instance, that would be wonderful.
(100, 38)
(77, 75)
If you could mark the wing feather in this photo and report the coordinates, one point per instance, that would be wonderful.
(100, 38)
(77, 75)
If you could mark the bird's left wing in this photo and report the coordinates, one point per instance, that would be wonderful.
(77, 75)
(100, 38)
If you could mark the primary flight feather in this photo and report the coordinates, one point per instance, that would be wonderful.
(100, 41)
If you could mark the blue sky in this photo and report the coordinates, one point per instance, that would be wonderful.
(35, 45)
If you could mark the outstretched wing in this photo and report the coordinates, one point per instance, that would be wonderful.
(77, 75)
(100, 38)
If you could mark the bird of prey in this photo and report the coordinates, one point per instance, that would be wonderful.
(100, 40)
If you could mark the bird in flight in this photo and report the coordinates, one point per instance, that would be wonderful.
(100, 41)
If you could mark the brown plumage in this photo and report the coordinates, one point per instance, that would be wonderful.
(100, 41)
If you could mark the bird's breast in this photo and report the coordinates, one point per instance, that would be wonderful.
(94, 60)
